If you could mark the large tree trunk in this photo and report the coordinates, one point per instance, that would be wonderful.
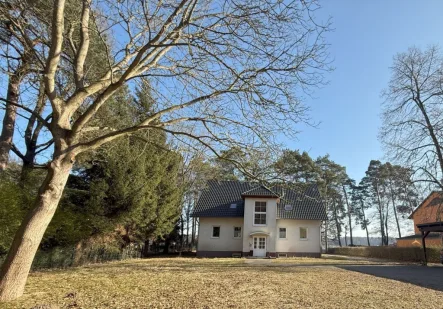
(9, 121)
(17, 265)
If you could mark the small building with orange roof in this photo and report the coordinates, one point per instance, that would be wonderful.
(429, 211)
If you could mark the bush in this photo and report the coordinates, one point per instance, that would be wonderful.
(408, 254)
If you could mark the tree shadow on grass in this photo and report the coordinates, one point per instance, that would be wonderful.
(428, 277)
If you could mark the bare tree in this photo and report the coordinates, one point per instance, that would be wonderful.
(412, 128)
(221, 72)
(17, 58)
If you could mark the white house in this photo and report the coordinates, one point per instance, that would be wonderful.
(247, 218)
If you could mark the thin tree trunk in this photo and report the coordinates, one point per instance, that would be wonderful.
(386, 225)
(367, 236)
(188, 220)
(9, 120)
(395, 210)
(380, 213)
(326, 227)
(182, 232)
(17, 265)
(193, 233)
(386, 231)
(366, 224)
(349, 214)
(326, 236)
(337, 223)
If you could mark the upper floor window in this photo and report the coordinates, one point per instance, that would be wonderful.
(215, 232)
(303, 233)
(260, 213)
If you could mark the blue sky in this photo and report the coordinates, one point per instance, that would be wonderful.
(367, 35)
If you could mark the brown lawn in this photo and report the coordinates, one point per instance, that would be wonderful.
(220, 283)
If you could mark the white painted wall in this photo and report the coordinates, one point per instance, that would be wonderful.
(293, 243)
(226, 242)
(249, 227)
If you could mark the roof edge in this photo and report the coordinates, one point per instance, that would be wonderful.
(421, 204)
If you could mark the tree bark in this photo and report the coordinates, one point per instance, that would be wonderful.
(9, 120)
(17, 265)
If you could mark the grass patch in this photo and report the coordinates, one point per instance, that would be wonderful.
(220, 283)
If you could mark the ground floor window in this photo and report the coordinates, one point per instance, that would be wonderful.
(303, 233)
(282, 232)
(237, 231)
(215, 232)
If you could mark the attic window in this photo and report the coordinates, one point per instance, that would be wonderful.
(233, 205)
(288, 207)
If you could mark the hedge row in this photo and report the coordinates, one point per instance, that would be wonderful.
(412, 254)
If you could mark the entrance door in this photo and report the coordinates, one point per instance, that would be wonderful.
(259, 246)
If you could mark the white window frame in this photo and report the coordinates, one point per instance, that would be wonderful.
(241, 232)
(212, 232)
(260, 213)
(307, 233)
(286, 233)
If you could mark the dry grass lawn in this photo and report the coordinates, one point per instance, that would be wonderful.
(220, 283)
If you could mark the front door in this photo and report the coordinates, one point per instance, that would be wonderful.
(259, 246)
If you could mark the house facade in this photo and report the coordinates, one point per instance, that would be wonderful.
(430, 210)
(249, 219)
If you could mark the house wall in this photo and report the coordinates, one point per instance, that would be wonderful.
(293, 243)
(249, 227)
(226, 244)
(430, 211)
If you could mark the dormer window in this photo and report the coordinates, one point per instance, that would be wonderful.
(288, 207)
(233, 206)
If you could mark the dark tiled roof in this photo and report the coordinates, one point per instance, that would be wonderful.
(217, 197)
(260, 191)
(307, 205)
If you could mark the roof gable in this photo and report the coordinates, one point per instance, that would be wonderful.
(433, 199)
(259, 191)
